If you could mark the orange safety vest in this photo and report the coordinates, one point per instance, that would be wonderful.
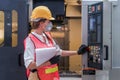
(47, 72)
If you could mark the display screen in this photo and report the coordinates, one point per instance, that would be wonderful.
(92, 24)
(92, 29)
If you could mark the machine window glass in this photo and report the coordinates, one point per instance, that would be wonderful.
(99, 19)
(1, 28)
(14, 28)
(99, 26)
(99, 33)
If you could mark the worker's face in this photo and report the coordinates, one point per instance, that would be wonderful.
(48, 25)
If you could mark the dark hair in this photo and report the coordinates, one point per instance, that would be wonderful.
(35, 23)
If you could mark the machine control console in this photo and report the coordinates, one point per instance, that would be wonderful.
(94, 55)
(95, 35)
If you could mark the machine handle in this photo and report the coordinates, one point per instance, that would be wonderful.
(105, 52)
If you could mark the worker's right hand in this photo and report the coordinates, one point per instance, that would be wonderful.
(55, 59)
(83, 49)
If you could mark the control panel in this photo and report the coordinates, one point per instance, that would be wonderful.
(95, 30)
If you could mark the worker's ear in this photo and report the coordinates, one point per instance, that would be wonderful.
(41, 24)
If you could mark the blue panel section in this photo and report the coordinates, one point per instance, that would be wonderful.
(56, 7)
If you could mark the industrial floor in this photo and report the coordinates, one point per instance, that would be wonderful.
(68, 75)
(70, 78)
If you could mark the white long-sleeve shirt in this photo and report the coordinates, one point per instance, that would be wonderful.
(30, 49)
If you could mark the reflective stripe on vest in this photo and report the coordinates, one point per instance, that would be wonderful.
(51, 70)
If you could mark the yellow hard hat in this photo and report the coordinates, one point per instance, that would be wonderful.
(41, 12)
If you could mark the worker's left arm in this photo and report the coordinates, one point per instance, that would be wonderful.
(82, 49)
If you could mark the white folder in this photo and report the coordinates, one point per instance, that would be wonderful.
(44, 54)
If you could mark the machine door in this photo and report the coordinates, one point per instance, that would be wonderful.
(13, 29)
